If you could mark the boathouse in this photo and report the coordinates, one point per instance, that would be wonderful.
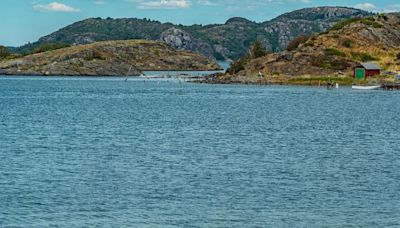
(364, 70)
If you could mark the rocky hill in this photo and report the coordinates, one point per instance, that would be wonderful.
(222, 41)
(308, 21)
(335, 52)
(108, 58)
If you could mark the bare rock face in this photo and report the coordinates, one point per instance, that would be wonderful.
(183, 40)
(178, 38)
(288, 26)
(388, 33)
(285, 55)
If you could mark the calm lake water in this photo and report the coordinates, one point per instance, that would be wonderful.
(99, 152)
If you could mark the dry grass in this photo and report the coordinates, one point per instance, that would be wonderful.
(362, 50)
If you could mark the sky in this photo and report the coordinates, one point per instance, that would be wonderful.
(23, 21)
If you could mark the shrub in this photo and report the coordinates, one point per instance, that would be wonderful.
(332, 51)
(344, 23)
(347, 43)
(383, 16)
(296, 42)
(374, 24)
(367, 21)
(326, 66)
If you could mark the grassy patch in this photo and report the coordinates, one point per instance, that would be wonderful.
(363, 57)
(370, 21)
(309, 44)
(333, 51)
(157, 52)
(49, 47)
(344, 23)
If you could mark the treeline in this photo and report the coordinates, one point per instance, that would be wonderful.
(4, 52)
(48, 47)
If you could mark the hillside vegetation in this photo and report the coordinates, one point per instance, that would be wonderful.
(222, 41)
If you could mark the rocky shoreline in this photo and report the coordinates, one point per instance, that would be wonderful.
(320, 81)
(324, 58)
(109, 58)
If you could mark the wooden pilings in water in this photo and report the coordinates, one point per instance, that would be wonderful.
(391, 86)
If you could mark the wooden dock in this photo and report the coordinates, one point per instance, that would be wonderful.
(391, 86)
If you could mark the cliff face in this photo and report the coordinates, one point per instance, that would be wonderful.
(183, 40)
(222, 41)
(335, 52)
(109, 58)
(288, 26)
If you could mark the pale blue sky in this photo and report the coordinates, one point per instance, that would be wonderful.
(22, 21)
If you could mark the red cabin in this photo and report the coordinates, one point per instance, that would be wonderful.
(364, 70)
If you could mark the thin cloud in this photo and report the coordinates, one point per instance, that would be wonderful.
(365, 6)
(208, 3)
(55, 7)
(99, 2)
(163, 4)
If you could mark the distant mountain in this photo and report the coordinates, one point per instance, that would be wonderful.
(11, 49)
(334, 52)
(222, 41)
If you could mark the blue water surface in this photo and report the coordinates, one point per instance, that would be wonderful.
(101, 152)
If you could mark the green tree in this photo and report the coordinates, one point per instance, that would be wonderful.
(257, 50)
(4, 52)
